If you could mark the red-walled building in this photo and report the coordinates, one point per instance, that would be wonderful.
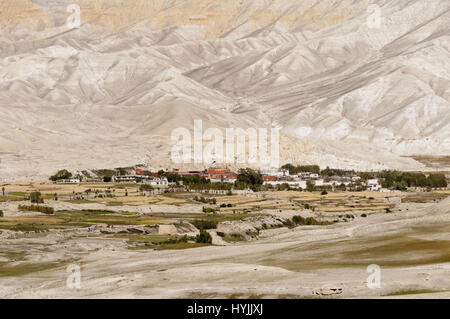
(140, 172)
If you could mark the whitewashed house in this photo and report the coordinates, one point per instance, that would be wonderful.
(295, 184)
(70, 181)
(373, 185)
(158, 182)
(125, 179)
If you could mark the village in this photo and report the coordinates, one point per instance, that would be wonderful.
(228, 221)
(270, 178)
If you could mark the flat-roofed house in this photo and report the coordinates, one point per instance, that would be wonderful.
(373, 185)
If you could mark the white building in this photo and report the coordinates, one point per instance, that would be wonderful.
(308, 175)
(373, 185)
(319, 182)
(158, 182)
(224, 180)
(275, 172)
(70, 181)
(296, 184)
(125, 179)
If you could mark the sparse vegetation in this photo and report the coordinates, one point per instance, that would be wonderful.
(299, 220)
(203, 237)
(37, 208)
(204, 224)
(145, 188)
(35, 197)
(233, 237)
(62, 174)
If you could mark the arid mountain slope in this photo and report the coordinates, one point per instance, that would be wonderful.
(343, 92)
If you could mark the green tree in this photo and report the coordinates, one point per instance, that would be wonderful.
(35, 197)
(203, 237)
(249, 176)
(301, 168)
(62, 174)
(310, 186)
(437, 180)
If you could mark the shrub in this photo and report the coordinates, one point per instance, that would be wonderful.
(233, 237)
(107, 179)
(1, 213)
(182, 239)
(223, 205)
(310, 186)
(35, 197)
(363, 215)
(208, 210)
(145, 187)
(36, 208)
(289, 223)
(229, 205)
(388, 211)
(204, 200)
(324, 192)
(299, 220)
(203, 237)
(204, 224)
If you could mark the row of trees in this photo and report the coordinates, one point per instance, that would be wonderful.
(247, 178)
(390, 179)
(403, 180)
(295, 169)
